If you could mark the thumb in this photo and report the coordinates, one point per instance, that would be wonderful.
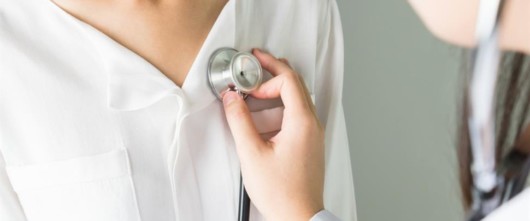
(240, 122)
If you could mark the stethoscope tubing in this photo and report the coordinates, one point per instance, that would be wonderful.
(244, 202)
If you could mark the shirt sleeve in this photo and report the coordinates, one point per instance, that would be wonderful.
(324, 215)
(10, 208)
(339, 195)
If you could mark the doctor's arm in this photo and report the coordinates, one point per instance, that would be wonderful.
(284, 176)
(10, 208)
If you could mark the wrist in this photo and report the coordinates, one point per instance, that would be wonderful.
(306, 210)
(310, 212)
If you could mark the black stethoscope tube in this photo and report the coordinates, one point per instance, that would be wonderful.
(244, 202)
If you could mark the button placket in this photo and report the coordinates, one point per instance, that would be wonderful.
(175, 153)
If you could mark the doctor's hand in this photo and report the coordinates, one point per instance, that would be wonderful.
(284, 176)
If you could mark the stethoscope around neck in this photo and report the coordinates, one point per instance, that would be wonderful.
(230, 70)
(493, 184)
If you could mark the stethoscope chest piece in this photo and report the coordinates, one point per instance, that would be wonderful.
(230, 70)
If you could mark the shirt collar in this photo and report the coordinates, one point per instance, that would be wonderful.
(134, 83)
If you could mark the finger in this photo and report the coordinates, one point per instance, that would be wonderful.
(240, 122)
(308, 98)
(285, 85)
(272, 88)
(270, 63)
(303, 85)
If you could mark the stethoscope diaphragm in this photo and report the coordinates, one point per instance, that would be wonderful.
(230, 70)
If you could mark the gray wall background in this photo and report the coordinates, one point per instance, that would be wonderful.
(400, 95)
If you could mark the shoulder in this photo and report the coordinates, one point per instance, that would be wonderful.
(291, 29)
(274, 16)
(304, 16)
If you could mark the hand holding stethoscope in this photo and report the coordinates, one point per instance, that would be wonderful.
(284, 175)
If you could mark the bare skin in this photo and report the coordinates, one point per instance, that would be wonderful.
(284, 176)
(168, 34)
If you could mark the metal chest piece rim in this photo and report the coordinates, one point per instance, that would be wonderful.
(230, 70)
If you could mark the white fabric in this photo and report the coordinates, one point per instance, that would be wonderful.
(324, 215)
(89, 130)
(517, 209)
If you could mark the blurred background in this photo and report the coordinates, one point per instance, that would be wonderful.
(401, 91)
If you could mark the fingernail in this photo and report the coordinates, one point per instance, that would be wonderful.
(229, 97)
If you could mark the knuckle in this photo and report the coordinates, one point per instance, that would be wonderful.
(291, 76)
(285, 61)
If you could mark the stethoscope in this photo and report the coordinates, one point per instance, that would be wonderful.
(230, 70)
(492, 184)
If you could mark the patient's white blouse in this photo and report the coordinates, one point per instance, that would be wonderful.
(91, 131)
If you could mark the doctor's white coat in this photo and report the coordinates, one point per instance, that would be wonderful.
(89, 130)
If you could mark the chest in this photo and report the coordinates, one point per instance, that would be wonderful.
(167, 36)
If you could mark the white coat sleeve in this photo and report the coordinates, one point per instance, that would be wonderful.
(10, 208)
(339, 196)
(324, 215)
